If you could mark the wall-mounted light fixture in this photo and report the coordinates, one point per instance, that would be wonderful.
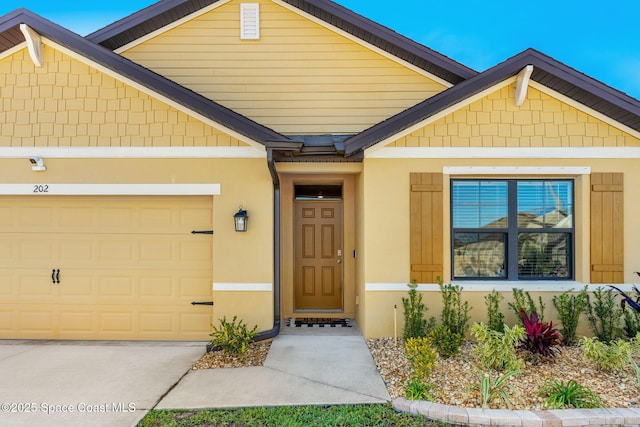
(37, 164)
(241, 220)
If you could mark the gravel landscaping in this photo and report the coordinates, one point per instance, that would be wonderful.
(453, 377)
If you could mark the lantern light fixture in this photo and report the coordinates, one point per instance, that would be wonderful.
(241, 220)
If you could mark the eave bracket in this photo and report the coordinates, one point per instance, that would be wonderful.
(34, 44)
(522, 84)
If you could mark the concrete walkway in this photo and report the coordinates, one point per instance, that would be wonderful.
(304, 367)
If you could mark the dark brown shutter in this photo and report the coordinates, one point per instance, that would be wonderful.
(426, 227)
(607, 228)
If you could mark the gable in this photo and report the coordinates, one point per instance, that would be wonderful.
(495, 121)
(68, 103)
(299, 77)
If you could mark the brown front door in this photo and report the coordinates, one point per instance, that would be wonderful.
(318, 255)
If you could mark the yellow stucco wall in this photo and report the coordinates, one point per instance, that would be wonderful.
(495, 121)
(67, 103)
(299, 77)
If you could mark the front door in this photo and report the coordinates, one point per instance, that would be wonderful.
(318, 255)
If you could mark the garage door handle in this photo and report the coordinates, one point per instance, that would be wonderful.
(202, 303)
(55, 276)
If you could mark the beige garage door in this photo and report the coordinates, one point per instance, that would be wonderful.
(105, 267)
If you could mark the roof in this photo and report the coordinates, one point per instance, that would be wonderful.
(165, 12)
(547, 71)
(10, 36)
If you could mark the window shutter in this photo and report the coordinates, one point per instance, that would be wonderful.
(607, 231)
(249, 21)
(426, 227)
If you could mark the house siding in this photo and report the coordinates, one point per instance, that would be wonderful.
(67, 103)
(298, 78)
(495, 121)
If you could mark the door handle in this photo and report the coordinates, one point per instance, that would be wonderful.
(55, 276)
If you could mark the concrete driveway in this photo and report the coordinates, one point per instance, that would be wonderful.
(80, 383)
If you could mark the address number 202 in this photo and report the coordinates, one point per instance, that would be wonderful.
(41, 188)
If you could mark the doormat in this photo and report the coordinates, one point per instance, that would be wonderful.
(313, 322)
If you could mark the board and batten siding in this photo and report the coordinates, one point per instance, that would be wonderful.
(607, 227)
(67, 103)
(298, 77)
(426, 227)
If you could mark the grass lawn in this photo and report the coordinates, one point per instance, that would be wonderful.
(289, 416)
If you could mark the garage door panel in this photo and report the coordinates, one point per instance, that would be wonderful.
(129, 267)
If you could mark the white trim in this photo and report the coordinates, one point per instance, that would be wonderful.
(170, 26)
(16, 48)
(133, 152)
(488, 286)
(505, 153)
(522, 84)
(516, 170)
(34, 44)
(152, 93)
(578, 106)
(55, 189)
(463, 103)
(243, 287)
(364, 43)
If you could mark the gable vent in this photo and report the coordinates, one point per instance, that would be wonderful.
(249, 21)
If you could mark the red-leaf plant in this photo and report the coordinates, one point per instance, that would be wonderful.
(542, 337)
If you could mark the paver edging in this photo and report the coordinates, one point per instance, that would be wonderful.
(492, 417)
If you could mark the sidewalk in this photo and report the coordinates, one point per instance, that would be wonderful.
(307, 366)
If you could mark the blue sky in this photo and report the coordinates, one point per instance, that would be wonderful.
(600, 39)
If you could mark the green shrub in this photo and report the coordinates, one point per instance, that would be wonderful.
(497, 389)
(561, 395)
(570, 306)
(497, 350)
(609, 356)
(415, 325)
(522, 299)
(494, 314)
(418, 390)
(455, 312)
(446, 342)
(421, 356)
(604, 315)
(631, 323)
(233, 337)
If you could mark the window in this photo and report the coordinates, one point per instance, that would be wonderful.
(512, 229)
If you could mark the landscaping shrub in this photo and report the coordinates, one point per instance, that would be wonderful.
(421, 356)
(561, 395)
(447, 343)
(497, 350)
(497, 389)
(455, 312)
(609, 356)
(233, 337)
(570, 306)
(540, 337)
(604, 315)
(522, 299)
(415, 325)
(495, 316)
